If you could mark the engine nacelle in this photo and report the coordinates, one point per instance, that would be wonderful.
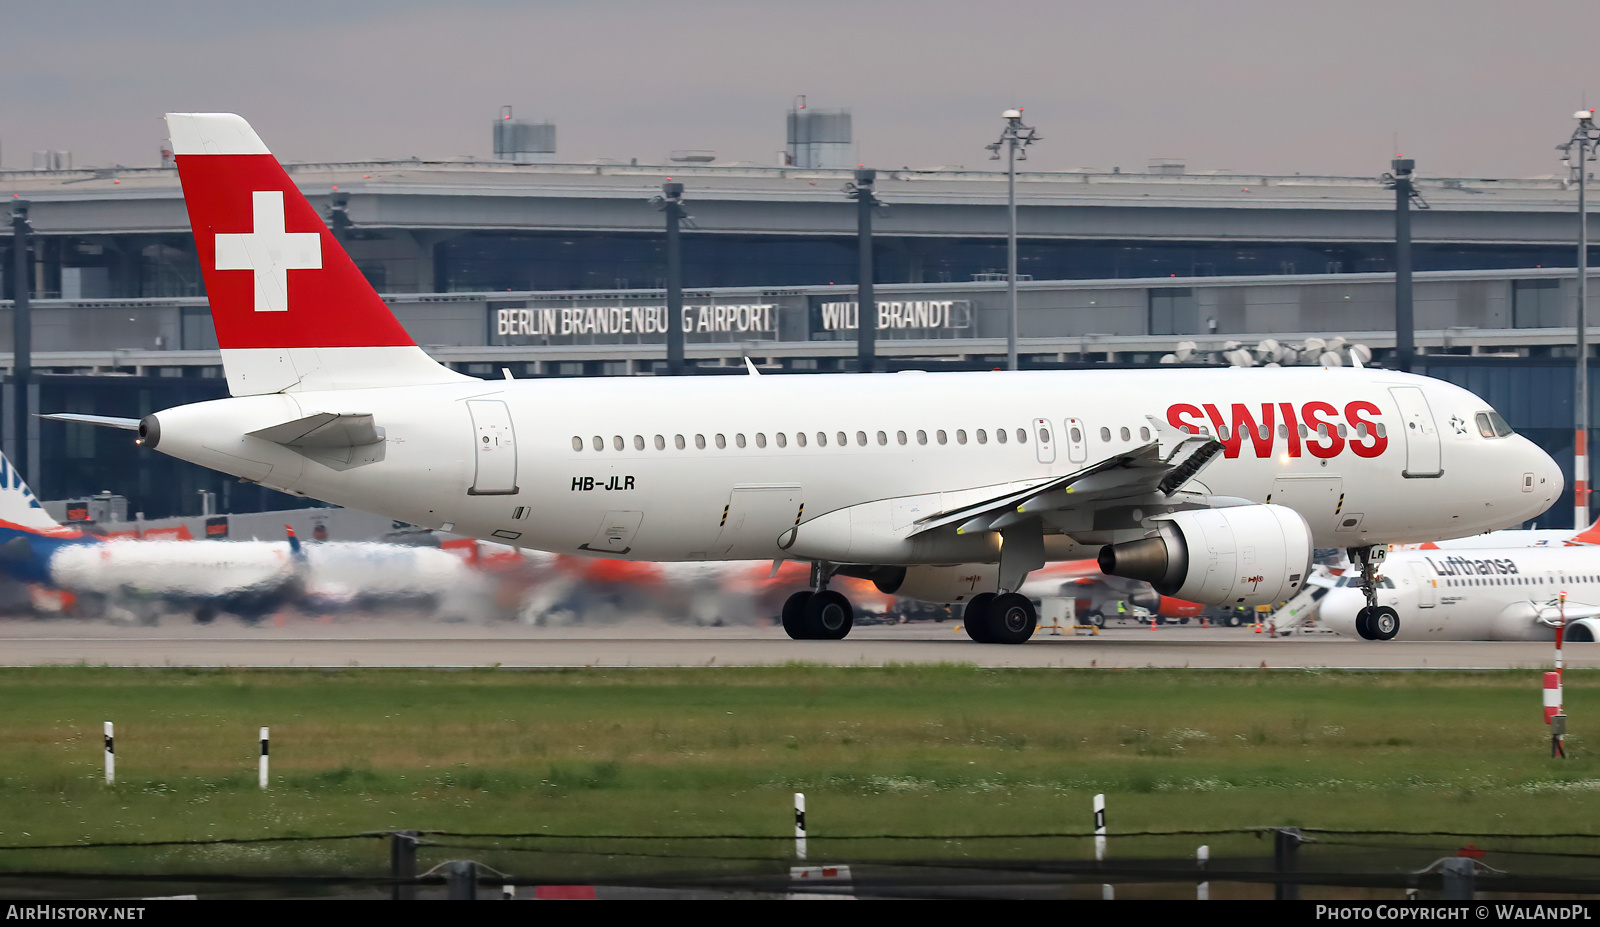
(945, 585)
(1243, 555)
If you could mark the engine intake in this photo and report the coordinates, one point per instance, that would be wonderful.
(1244, 555)
(149, 432)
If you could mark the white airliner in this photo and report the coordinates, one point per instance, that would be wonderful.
(1510, 594)
(250, 579)
(1214, 485)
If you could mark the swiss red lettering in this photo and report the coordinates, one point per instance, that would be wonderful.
(1229, 437)
(1291, 426)
(1178, 417)
(1324, 440)
(1374, 443)
(1243, 424)
(1321, 421)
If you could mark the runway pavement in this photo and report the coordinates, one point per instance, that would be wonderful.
(372, 642)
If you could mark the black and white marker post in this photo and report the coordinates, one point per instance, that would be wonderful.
(111, 757)
(799, 825)
(263, 774)
(1106, 891)
(1202, 861)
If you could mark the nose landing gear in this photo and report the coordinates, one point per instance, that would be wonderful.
(818, 613)
(1374, 622)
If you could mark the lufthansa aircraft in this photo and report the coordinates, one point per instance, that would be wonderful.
(1510, 594)
(1214, 485)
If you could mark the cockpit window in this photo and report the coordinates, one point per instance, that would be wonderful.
(1491, 425)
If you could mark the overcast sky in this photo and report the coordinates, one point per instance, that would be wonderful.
(1469, 87)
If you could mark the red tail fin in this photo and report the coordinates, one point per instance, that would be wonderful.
(285, 297)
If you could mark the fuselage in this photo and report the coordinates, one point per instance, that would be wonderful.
(1474, 594)
(707, 468)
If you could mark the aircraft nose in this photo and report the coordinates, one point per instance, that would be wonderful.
(1545, 473)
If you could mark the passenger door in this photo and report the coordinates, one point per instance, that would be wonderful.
(1427, 585)
(495, 449)
(1422, 438)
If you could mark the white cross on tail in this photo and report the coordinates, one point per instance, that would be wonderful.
(270, 251)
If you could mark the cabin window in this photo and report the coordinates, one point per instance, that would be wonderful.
(618, 443)
(738, 439)
(661, 443)
(700, 442)
(638, 442)
(961, 436)
(678, 442)
(721, 442)
(822, 439)
(1022, 436)
(1144, 433)
(1000, 435)
(761, 439)
(577, 443)
(1105, 434)
(800, 438)
(1075, 434)
(983, 436)
(922, 436)
(1125, 435)
(782, 439)
(943, 438)
(883, 439)
(861, 438)
(599, 443)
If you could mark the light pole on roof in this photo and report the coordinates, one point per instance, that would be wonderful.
(1015, 139)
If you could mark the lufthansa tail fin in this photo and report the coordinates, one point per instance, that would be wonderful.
(291, 310)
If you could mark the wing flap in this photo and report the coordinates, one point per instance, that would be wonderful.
(1138, 472)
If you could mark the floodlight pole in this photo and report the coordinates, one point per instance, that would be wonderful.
(671, 203)
(1584, 138)
(21, 338)
(1015, 138)
(1405, 193)
(862, 191)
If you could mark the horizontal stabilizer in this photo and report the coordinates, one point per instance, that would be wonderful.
(104, 421)
(324, 430)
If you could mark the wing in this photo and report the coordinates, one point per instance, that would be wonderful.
(1153, 472)
(1550, 613)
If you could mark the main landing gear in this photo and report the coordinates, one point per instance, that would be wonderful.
(1374, 622)
(818, 613)
(1007, 618)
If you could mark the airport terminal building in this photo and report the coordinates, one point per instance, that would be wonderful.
(545, 269)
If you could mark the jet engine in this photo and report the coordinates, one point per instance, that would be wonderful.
(945, 585)
(1241, 555)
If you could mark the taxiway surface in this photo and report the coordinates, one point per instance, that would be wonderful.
(377, 643)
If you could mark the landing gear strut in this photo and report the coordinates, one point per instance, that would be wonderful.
(1374, 622)
(818, 613)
